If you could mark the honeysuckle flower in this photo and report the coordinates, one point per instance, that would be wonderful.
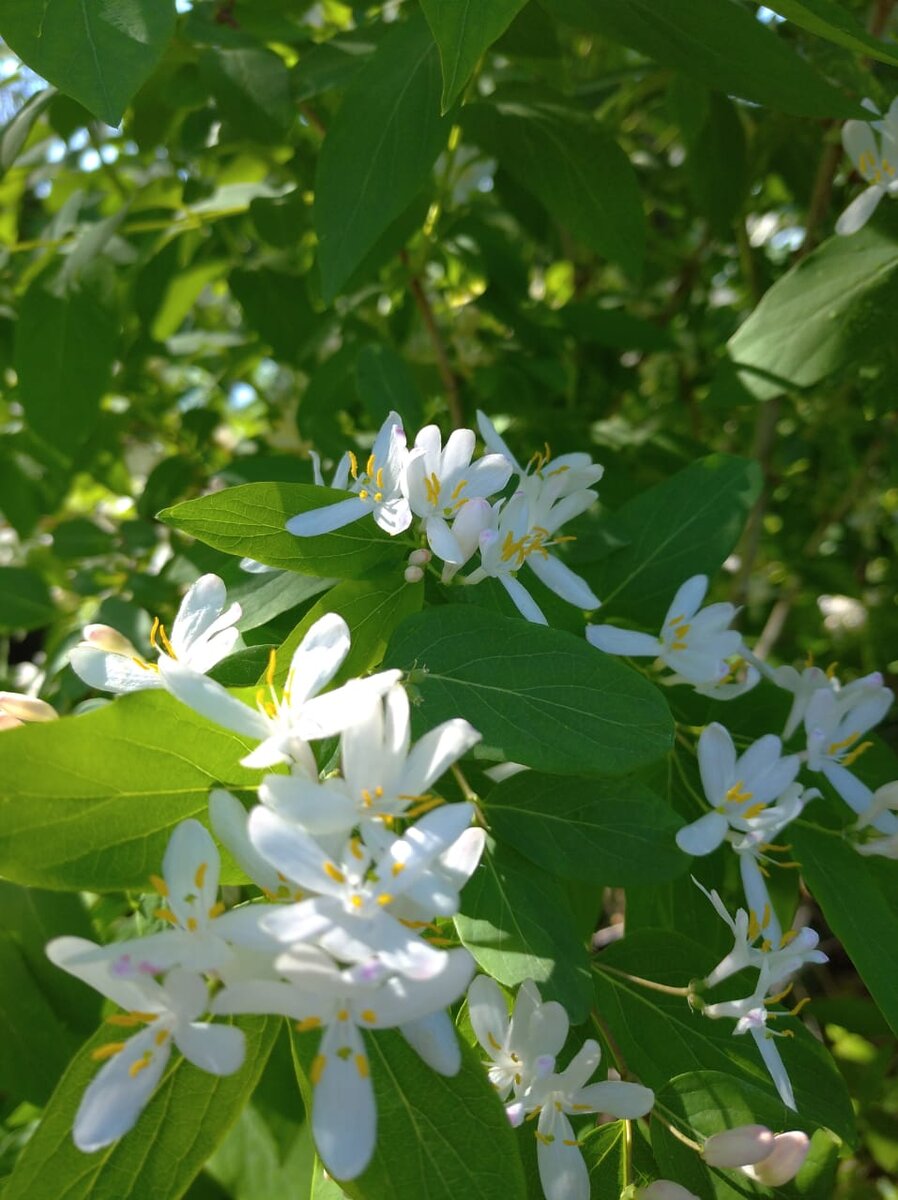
(166, 1014)
(203, 633)
(378, 489)
(694, 642)
(351, 914)
(739, 790)
(383, 775)
(664, 1189)
(882, 815)
(472, 519)
(285, 723)
(741, 1146)
(835, 722)
(876, 161)
(784, 1161)
(802, 684)
(439, 481)
(552, 478)
(521, 1047)
(341, 1003)
(522, 532)
(751, 1016)
(16, 709)
(557, 1097)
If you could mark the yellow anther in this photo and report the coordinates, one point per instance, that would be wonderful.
(397, 869)
(200, 877)
(457, 490)
(333, 873)
(835, 747)
(736, 794)
(130, 1019)
(378, 791)
(356, 901)
(353, 464)
(765, 916)
(272, 667)
(766, 945)
(546, 1138)
(384, 898)
(789, 936)
(363, 495)
(108, 1051)
(217, 909)
(492, 1041)
(754, 811)
(318, 1066)
(425, 805)
(378, 496)
(192, 924)
(167, 646)
(306, 1024)
(676, 620)
(144, 666)
(369, 465)
(161, 1037)
(165, 914)
(159, 884)
(369, 1015)
(779, 996)
(343, 1014)
(141, 1065)
(414, 924)
(355, 848)
(361, 1065)
(582, 1108)
(754, 927)
(570, 1142)
(558, 1106)
(432, 488)
(679, 645)
(379, 477)
(793, 1012)
(831, 670)
(366, 798)
(856, 753)
(153, 632)
(809, 660)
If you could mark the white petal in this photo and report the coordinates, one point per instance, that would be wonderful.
(115, 1098)
(344, 1117)
(859, 211)
(401, 1000)
(859, 142)
(327, 715)
(622, 641)
(393, 516)
(320, 808)
(522, 600)
(688, 598)
(434, 753)
(717, 762)
(218, 1049)
(704, 835)
(493, 441)
(211, 700)
(769, 1052)
(757, 897)
(785, 1160)
(328, 518)
(202, 605)
(229, 819)
(191, 867)
(488, 1013)
(546, 1032)
(317, 658)
(626, 1101)
(259, 997)
(560, 579)
(443, 542)
(434, 1039)
(94, 965)
(582, 1066)
(290, 849)
(112, 672)
(739, 1147)
(562, 1171)
(487, 476)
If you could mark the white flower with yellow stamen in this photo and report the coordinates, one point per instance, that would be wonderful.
(740, 790)
(284, 723)
(341, 1004)
(165, 1014)
(552, 478)
(694, 642)
(751, 1016)
(378, 489)
(203, 633)
(439, 481)
(522, 1046)
(877, 163)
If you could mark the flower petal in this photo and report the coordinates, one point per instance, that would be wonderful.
(704, 835)
(191, 867)
(344, 1116)
(488, 1013)
(716, 762)
(560, 579)
(522, 600)
(211, 700)
(229, 820)
(328, 518)
(622, 641)
(859, 211)
(117, 1096)
(688, 598)
(317, 658)
(112, 672)
(626, 1101)
(434, 1039)
(218, 1049)
(562, 1171)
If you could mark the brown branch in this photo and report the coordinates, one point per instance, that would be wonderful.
(450, 383)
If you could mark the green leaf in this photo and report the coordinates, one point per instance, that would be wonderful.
(570, 164)
(249, 1162)
(517, 922)
(685, 526)
(251, 86)
(605, 1153)
(189, 1114)
(660, 1037)
(66, 339)
(618, 832)
(463, 30)
(438, 1137)
(15, 132)
(832, 309)
(25, 601)
(719, 43)
(855, 907)
(379, 150)
(89, 802)
(265, 596)
(542, 697)
(99, 53)
(384, 382)
(276, 305)
(251, 520)
(832, 21)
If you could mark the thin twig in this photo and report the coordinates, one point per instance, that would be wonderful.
(450, 383)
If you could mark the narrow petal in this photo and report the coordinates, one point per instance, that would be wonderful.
(443, 541)
(458, 452)
(93, 964)
(859, 211)
(118, 1094)
(211, 700)
(317, 658)
(112, 672)
(582, 1066)
(401, 1000)
(560, 579)
(487, 476)
(191, 867)
(857, 796)
(704, 835)
(325, 520)
(434, 753)
(562, 1171)
(434, 1039)
(859, 141)
(623, 641)
(522, 600)
(769, 1052)
(229, 820)
(202, 605)
(327, 715)
(717, 762)
(344, 1117)
(493, 441)
(489, 1014)
(688, 598)
(218, 1049)
(626, 1101)
(292, 851)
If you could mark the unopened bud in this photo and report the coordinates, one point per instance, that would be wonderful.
(419, 558)
(104, 637)
(26, 708)
(784, 1161)
(739, 1147)
(413, 574)
(665, 1189)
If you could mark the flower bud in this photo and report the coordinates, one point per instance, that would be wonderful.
(413, 574)
(665, 1189)
(790, 1149)
(26, 708)
(419, 558)
(739, 1147)
(104, 637)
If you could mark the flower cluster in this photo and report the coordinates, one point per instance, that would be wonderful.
(872, 147)
(352, 871)
(449, 494)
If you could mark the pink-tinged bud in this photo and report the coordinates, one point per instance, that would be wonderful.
(8, 722)
(413, 574)
(665, 1189)
(739, 1147)
(515, 1113)
(785, 1160)
(26, 708)
(419, 558)
(104, 637)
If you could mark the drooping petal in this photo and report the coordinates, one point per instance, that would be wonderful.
(704, 835)
(434, 1039)
(229, 819)
(622, 641)
(327, 518)
(522, 600)
(769, 1052)
(434, 753)
(626, 1101)
(757, 897)
(218, 1049)
(118, 1094)
(858, 796)
(560, 579)
(493, 441)
(859, 211)
(344, 1116)
(112, 672)
(562, 1171)
(211, 700)
(716, 761)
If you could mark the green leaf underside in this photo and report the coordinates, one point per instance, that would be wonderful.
(588, 829)
(189, 1114)
(89, 802)
(250, 520)
(543, 697)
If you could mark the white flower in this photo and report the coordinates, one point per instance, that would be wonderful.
(522, 531)
(343, 1003)
(741, 1146)
(876, 162)
(664, 1189)
(552, 478)
(751, 1017)
(473, 518)
(694, 642)
(784, 1161)
(802, 684)
(378, 489)
(352, 913)
(438, 483)
(740, 791)
(203, 633)
(116, 1097)
(16, 709)
(881, 815)
(284, 724)
(521, 1047)
(384, 776)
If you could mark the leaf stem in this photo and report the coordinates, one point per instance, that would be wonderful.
(667, 988)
